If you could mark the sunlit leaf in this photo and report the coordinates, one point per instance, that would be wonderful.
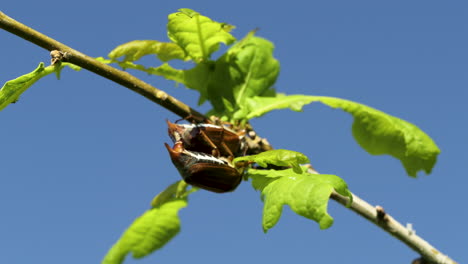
(258, 105)
(278, 157)
(168, 72)
(104, 60)
(306, 194)
(377, 132)
(147, 233)
(164, 70)
(196, 78)
(11, 90)
(197, 35)
(154, 228)
(134, 50)
(247, 69)
(177, 190)
(253, 58)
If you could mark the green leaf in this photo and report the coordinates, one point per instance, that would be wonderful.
(196, 78)
(147, 233)
(248, 69)
(177, 190)
(379, 133)
(166, 71)
(136, 49)
(306, 194)
(11, 90)
(278, 157)
(154, 228)
(375, 131)
(104, 60)
(253, 59)
(258, 105)
(197, 35)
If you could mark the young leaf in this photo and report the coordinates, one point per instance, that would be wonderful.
(306, 194)
(375, 131)
(197, 35)
(259, 105)
(166, 71)
(278, 157)
(247, 69)
(11, 90)
(379, 133)
(136, 49)
(155, 227)
(195, 78)
(147, 233)
(177, 190)
(253, 58)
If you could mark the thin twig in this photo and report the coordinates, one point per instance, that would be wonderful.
(121, 77)
(382, 219)
(376, 215)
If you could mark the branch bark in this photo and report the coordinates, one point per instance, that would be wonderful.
(376, 215)
(385, 221)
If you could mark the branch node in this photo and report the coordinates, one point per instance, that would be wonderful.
(56, 56)
(161, 95)
(381, 214)
(411, 231)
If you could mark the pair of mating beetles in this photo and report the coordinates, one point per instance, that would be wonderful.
(202, 155)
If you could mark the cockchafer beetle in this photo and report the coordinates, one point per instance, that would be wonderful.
(203, 170)
(208, 138)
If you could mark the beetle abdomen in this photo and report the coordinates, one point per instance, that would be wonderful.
(203, 170)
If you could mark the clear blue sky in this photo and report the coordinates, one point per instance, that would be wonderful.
(82, 157)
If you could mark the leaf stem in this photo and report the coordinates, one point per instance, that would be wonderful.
(375, 215)
(121, 77)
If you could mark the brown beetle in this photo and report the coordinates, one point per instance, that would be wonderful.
(207, 138)
(203, 170)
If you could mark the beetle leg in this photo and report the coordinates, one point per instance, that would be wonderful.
(225, 148)
(215, 150)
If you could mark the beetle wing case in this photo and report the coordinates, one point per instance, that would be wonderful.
(204, 171)
(213, 178)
